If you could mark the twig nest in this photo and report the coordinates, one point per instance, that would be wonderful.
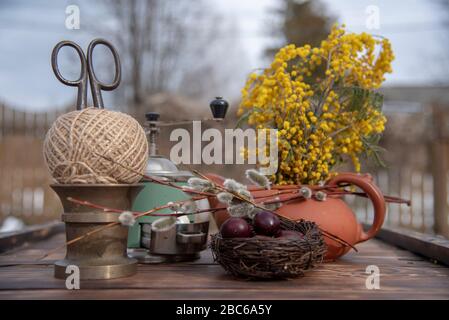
(76, 139)
(264, 257)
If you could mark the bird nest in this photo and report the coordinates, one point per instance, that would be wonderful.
(271, 258)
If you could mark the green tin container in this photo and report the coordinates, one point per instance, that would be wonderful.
(154, 194)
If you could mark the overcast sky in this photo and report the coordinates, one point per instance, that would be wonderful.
(30, 29)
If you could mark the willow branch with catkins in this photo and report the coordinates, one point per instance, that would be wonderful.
(203, 187)
(137, 214)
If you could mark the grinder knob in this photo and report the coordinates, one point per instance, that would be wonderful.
(152, 116)
(219, 107)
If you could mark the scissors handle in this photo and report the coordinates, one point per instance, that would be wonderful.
(95, 84)
(81, 82)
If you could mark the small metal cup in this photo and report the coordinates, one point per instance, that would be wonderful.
(179, 239)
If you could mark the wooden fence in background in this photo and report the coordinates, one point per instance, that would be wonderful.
(24, 179)
(420, 173)
(25, 191)
(407, 183)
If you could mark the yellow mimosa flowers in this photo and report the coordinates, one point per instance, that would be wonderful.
(322, 102)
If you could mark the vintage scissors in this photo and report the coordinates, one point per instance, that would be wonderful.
(87, 70)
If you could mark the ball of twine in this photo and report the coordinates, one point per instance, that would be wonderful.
(76, 139)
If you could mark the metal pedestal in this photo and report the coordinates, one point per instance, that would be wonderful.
(101, 255)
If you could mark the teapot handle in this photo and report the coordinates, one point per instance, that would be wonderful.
(365, 182)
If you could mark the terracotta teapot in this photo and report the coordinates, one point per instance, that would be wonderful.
(332, 215)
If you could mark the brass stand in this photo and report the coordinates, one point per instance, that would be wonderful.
(101, 255)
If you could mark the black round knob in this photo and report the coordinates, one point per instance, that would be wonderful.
(152, 116)
(219, 107)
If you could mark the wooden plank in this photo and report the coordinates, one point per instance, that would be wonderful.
(440, 169)
(10, 240)
(221, 294)
(327, 277)
(403, 276)
(427, 245)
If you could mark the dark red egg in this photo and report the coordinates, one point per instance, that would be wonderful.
(290, 235)
(267, 223)
(236, 228)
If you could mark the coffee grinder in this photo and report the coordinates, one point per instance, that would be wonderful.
(183, 242)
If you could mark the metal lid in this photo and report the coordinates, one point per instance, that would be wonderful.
(162, 167)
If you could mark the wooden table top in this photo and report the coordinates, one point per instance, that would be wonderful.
(403, 276)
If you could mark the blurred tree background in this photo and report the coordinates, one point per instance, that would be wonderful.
(169, 46)
(300, 22)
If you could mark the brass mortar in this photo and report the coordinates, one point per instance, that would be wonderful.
(101, 255)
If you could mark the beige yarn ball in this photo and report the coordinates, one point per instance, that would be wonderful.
(75, 139)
